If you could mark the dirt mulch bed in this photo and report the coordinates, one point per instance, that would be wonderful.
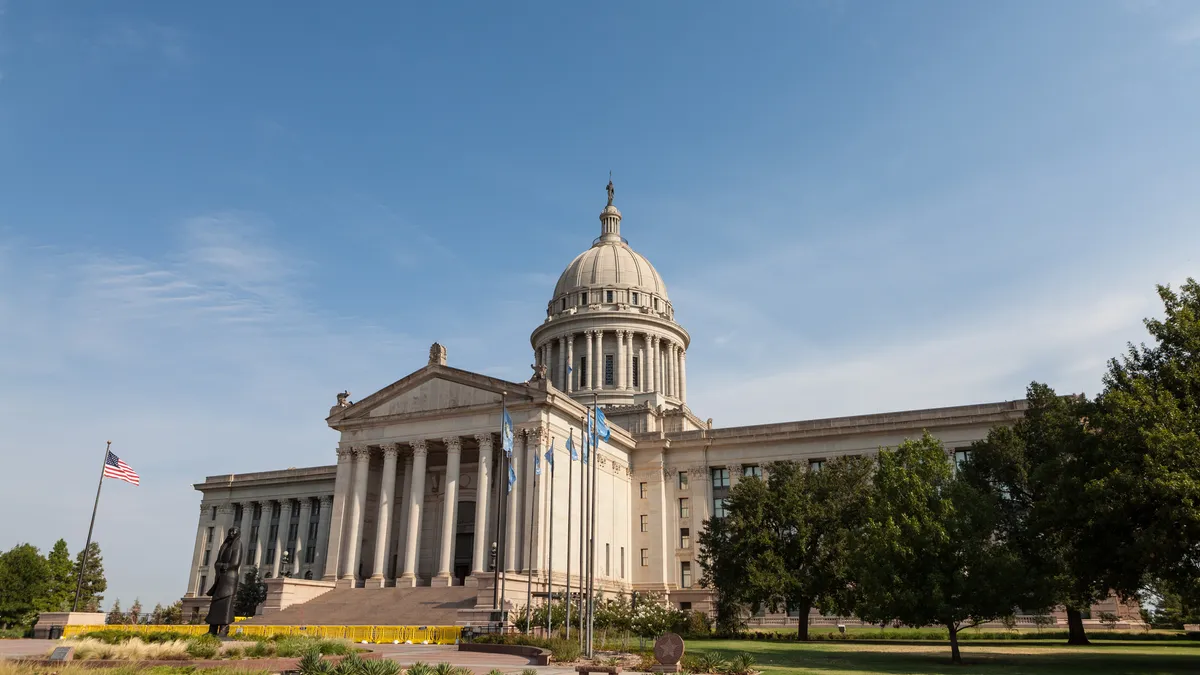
(271, 664)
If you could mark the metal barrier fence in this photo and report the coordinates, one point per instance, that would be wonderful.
(435, 635)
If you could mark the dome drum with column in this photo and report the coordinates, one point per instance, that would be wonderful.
(610, 329)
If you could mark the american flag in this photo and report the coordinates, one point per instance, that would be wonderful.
(115, 468)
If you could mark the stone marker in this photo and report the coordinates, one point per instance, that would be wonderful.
(62, 654)
(668, 650)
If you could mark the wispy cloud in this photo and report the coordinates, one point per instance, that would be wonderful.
(145, 37)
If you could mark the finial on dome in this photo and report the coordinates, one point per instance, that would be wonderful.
(610, 217)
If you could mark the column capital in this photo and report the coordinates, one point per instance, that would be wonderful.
(326, 502)
(305, 504)
(654, 339)
(620, 334)
(420, 448)
(537, 435)
(734, 470)
(391, 450)
(361, 452)
(698, 470)
(344, 452)
(589, 333)
(453, 444)
(224, 508)
(485, 442)
(204, 508)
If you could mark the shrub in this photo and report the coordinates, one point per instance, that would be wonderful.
(563, 650)
(312, 664)
(352, 664)
(204, 647)
(89, 649)
(420, 668)
(742, 664)
(261, 650)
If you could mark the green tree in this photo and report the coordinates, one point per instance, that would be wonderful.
(173, 614)
(722, 562)
(115, 615)
(94, 584)
(61, 588)
(1148, 489)
(134, 615)
(791, 536)
(929, 553)
(250, 594)
(24, 579)
(1036, 472)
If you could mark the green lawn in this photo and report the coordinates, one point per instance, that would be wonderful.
(985, 657)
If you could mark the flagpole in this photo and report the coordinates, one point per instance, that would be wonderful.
(84, 556)
(570, 495)
(529, 547)
(501, 493)
(583, 472)
(591, 616)
(550, 551)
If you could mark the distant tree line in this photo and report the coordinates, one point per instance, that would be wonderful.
(1080, 498)
(31, 584)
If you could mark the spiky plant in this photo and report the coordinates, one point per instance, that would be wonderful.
(420, 668)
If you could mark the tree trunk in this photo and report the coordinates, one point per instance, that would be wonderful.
(1075, 634)
(804, 607)
(955, 655)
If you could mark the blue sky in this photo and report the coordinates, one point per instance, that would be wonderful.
(214, 216)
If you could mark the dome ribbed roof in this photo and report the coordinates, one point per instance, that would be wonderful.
(610, 264)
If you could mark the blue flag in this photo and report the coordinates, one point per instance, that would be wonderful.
(506, 433)
(587, 440)
(537, 465)
(571, 447)
(512, 476)
(550, 457)
(602, 426)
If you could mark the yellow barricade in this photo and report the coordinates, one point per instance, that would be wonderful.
(442, 635)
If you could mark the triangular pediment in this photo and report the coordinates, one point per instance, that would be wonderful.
(431, 389)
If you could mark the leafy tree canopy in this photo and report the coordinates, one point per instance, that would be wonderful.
(24, 579)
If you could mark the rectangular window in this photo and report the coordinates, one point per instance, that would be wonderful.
(207, 552)
(656, 303)
(642, 489)
(316, 510)
(203, 584)
(637, 374)
(622, 562)
(685, 574)
(608, 369)
(582, 372)
(608, 296)
(815, 464)
(273, 532)
(258, 511)
(645, 522)
(633, 298)
(209, 538)
(212, 514)
(312, 531)
(583, 298)
(960, 456)
(564, 304)
(685, 508)
(718, 507)
(683, 480)
(720, 478)
(293, 530)
(237, 513)
(685, 606)
(645, 557)
(685, 537)
(752, 471)
(269, 559)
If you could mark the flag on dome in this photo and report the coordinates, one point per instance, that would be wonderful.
(571, 447)
(506, 432)
(602, 425)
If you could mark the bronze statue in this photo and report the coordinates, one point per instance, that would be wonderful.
(610, 191)
(224, 589)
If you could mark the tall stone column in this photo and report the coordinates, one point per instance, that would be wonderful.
(673, 377)
(387, 497)
(198, 552)
(516, 499)
(620, 361)
(589, 383)
(536, 502)
(244, 526)
(599, 367)
(416, 497)
(405, 489)
(653, 374)
(285, 519)
(358, 505)
(682, 375)
(323, 520)
(568, 371)
(482, 492)
(337, 514)
(449, 509)
(300, 545)
(264, 528)
(564, 378)
(629, 354)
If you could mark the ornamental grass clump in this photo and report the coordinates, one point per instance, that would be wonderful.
(133, 649)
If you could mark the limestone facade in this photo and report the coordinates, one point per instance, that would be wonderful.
(415, 492)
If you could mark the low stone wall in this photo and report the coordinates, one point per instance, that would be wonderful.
(283, 592)
(52, 624)
(536, 655)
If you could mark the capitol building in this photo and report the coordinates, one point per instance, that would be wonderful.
(403, 528)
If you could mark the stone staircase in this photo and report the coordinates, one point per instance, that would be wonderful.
(420, 606)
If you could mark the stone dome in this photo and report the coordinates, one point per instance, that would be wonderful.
(610, 265)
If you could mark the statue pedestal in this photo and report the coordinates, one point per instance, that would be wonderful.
(660, 668)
